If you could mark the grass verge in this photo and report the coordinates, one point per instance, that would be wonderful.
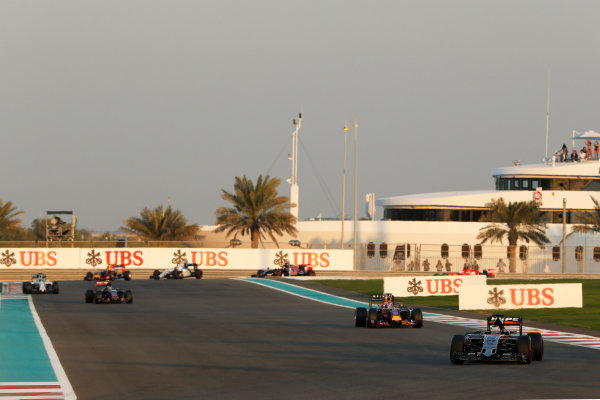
(586, 317)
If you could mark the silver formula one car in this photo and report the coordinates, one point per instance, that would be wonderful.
(497, 343)
(179, 271)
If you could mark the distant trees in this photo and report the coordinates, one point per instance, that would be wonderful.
(520, 220)
(257, 210)
(160, 224)
(10, 222)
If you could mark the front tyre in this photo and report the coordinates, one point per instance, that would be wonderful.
(128, 297)
(457, 348)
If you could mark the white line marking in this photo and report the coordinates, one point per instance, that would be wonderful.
(69, 393)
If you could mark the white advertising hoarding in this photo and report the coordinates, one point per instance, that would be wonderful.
(446, 285)
(508, 297)
(87, 258)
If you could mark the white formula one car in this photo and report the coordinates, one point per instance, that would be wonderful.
(39, 284)
(179, 271)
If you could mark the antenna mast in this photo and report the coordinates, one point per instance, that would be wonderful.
(293, 181)
(547, 114)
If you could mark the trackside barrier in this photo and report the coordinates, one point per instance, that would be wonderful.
(226, 258)
(409, 286)
(508, 297)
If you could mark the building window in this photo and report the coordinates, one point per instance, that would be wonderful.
(445, 251)
(465, 251)
(371, 250)
(555, 253)
(579, 253)
(383, 250)
(596, 253)
(523, 252)
(399, 252)
(477, 252)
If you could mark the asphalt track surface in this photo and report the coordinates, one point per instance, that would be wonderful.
(229, 339)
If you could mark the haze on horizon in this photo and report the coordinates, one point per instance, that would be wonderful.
(108, 107)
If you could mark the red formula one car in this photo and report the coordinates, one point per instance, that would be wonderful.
(383, 312)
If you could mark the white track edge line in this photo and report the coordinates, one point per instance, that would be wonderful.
(69, 393)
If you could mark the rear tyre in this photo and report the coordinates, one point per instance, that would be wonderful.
(311, 273)
(89, 296)
(127, 275)
(156, 274)
(537, 346)
(89, 276)
(128, 296)
(457, 346)
(55, 289)
(417, 317)
(524, 347)
(198, 274)
(98, 297)
(360, 317)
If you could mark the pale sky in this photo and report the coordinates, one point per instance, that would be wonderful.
(107, 107)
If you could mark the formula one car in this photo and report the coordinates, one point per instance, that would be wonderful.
(261, 273)
(104, 293)
(497, 343)
(111, 272)
(179, 271)
(383, 312)
(297, 270)
(39, 284)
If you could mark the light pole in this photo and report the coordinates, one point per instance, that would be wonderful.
(344, 183)
(355, 187)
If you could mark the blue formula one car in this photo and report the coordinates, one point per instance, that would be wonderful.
(383, 313)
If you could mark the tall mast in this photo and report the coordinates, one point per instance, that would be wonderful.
(293, 181)
(547, 114)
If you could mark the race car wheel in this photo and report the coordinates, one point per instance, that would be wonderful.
(360, 317)
(128, 296)
(417, 317)
(98, 298)
(198, 274)
(127, 275)
(177, 274)
(89, 276)
(156, 274)
(89, 296)
(537, 346)
(120, 295)
(27, 288)
(524, 347)
(55, 288)
(457, 346)
(311, 273)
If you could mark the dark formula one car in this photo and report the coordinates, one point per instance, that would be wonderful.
(104, 293)
(110, 273)
(179, 271)
(39, 284)
(382, 312)
(286, 270)
(497, 343)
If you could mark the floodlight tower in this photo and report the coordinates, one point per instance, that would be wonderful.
(293, 181)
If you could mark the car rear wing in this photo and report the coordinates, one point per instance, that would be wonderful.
(501, 321)
(379, 299)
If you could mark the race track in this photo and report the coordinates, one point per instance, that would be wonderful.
(230, 339)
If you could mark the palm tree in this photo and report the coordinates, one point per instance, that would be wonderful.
(160, 224)
(257, 210)
(591, 221)
(516, 221)
(9, 220)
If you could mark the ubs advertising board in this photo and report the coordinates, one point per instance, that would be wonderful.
(411, 286)
(86, 258)
(508, 297)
